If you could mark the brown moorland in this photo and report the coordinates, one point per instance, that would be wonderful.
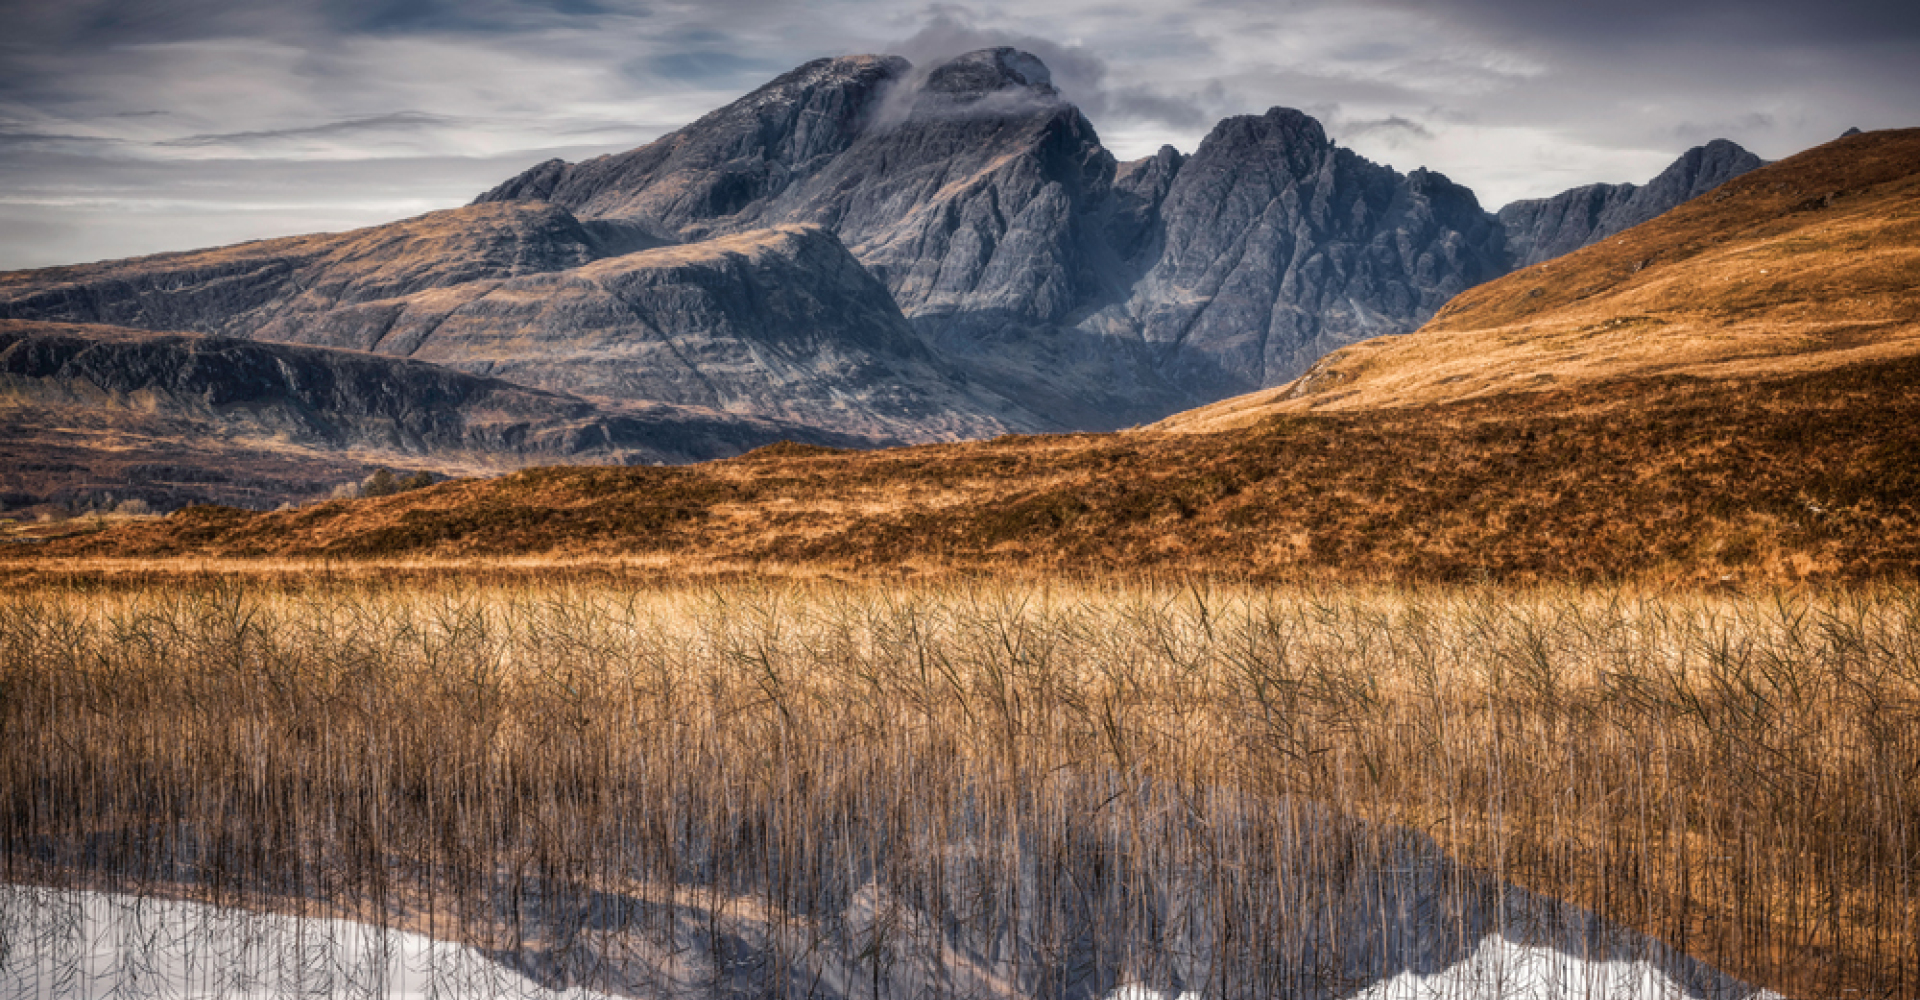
(1808, 476)
(1733, 773)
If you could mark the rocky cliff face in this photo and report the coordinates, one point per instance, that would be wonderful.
(1274, 246)
(781, 323)
(1544, 228)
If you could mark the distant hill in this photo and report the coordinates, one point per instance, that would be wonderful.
(777, 324)
(91, 414)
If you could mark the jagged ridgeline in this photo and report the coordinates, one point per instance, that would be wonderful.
(867, 247)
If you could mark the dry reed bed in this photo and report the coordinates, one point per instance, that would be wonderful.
(1034, 789)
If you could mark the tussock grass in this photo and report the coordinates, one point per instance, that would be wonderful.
(1033, 789)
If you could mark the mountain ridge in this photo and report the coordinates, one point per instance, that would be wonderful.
(879, 251)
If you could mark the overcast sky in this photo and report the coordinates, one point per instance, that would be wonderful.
(133, 126)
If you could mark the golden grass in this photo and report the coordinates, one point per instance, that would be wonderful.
(1739, 776)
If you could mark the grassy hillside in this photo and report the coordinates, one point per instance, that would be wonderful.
(1678, 479)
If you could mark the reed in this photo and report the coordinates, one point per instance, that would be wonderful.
(985, 788)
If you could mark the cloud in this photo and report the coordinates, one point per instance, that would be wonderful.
(398, 121)
(1079, 74)
(1586, 23)
(1515, 98)
(1391, 129)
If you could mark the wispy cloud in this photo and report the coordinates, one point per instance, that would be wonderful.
(398, 121)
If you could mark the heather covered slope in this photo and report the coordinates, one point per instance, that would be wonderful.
(1809, 264)
(1678, 479)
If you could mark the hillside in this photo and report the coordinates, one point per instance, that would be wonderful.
(1809, 264)
(780, 324)
(1679, 479)
(1725, 393)
(91, 415)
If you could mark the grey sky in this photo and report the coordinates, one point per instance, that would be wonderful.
(133, 126)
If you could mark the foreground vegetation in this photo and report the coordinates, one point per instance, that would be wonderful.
(1033, 787)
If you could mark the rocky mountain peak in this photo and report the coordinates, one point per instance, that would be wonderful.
(1541, 229)
(837, 73)
(1697, 171)
(1283, 127)
(987, 71)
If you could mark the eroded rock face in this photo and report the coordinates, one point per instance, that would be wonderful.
(718, 173)
(780, 323)
(1544, 228)
(1275, 246)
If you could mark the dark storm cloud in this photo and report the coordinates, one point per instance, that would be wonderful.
(460, 15)
(1587, 23)
(1392, 127)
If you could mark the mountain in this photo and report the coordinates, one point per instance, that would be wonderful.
(1726, 393)
(1804, 265)
(885, 251)
(1545, 228)
(1094, 294)
(1273, 246)
(88, 412)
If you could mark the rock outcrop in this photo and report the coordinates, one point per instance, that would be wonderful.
(779, 323)
(1274, 246)
(1544, 228)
